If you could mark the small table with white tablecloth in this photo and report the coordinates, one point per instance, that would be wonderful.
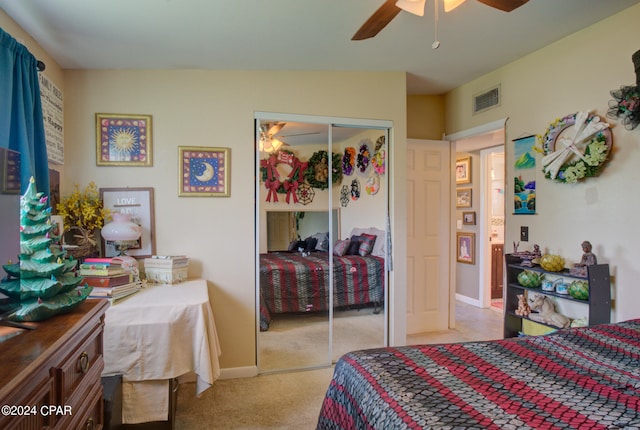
(160, 333)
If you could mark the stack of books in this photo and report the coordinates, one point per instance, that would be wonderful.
(108, 278)
(166, 269)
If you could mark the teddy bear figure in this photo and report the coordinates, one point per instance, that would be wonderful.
(523, 307)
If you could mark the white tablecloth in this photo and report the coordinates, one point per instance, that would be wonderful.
(160, 333)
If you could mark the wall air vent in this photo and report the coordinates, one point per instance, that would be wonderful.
(486, 100)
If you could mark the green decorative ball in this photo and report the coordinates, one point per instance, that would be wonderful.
(579, 290)
(530, 279)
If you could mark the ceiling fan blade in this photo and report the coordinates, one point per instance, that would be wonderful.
(299, 134)
(378, 20)
(505, 5)
(273, 129)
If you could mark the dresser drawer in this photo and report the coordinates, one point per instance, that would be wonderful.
(88, 415)
(34, 419)
(80, 363)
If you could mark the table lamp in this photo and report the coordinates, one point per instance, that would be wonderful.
(123, 234)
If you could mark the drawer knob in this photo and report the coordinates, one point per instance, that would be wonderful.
(90, 424)
(83, 362)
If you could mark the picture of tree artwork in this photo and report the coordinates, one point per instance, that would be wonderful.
(204, 171)
(123, 140)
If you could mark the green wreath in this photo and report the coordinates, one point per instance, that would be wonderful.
(317, 173)
(595, 155)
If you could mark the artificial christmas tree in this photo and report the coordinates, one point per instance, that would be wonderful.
(43, 283)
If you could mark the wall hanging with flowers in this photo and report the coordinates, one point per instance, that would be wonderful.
(574, 147)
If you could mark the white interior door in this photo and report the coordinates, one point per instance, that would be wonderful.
(428, 229)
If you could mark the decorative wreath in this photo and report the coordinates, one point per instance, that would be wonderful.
(564, 159)
(355, 189)
(364, 156)
(348, 161)
(344, 196)
(317, 170)
(626, 101)
(271, 177)
(378, 156)
(625, 106)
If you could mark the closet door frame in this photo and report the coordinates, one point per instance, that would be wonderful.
(385, 126)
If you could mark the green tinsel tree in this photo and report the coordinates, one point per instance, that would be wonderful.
(43, 283)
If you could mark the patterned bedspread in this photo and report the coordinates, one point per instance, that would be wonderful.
(290, 282)
(583, 378)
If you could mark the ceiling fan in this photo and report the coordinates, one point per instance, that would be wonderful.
(390, 8)
(269, 130)
(268, 142)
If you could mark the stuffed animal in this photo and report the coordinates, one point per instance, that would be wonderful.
(523, 307)
(546, 312)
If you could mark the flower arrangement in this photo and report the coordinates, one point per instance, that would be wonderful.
(83, 208)
(83, 213)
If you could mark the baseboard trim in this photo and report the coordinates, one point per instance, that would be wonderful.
(239, 372)
(468, 300)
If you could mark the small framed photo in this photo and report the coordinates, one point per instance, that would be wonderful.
(463, 170)
(204, 171)
(463, 198)
(138, 203)
(466, 251)
(469, 218)
(123, 140)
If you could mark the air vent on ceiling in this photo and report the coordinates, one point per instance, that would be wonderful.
(486, 100)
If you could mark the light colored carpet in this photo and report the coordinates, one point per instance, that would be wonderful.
(297, 341)
(292, 400)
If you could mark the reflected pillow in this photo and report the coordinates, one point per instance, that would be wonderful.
(366, 244)
(340, 247)
(354, 246)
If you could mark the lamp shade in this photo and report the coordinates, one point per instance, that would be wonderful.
(121, 228)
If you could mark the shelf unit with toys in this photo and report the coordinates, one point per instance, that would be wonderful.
(598, 303)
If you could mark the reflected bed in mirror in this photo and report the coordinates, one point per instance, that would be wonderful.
(297, 280)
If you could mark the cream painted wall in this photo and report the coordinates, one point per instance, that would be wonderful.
(425, 116)
(571, 75)
(216, 108)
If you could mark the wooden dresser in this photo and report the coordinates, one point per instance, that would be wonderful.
(50, 376)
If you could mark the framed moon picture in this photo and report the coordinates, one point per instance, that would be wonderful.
(204, 171)
(123, 140)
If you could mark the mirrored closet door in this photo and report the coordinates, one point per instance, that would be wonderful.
(321, 241)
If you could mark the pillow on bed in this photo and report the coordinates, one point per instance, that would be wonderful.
(379, 248)
(354, 245)
(366, 244)
(323, 241)
(340, 247)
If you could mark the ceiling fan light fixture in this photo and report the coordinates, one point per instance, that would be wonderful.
(415, 7)
(450, 5)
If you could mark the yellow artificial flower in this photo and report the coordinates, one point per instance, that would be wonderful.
(83, 208)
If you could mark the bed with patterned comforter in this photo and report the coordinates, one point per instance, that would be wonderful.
(291, 282)
(581, 378)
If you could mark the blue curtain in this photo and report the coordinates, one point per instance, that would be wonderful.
(21, 125)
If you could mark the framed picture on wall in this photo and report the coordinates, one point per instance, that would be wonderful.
(138, 202)
(204, 171)
(463, 198)
(466, 250)
(463, 170)
(469, 218)
(123, 140)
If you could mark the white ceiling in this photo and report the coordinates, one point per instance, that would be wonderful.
(299, 35)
